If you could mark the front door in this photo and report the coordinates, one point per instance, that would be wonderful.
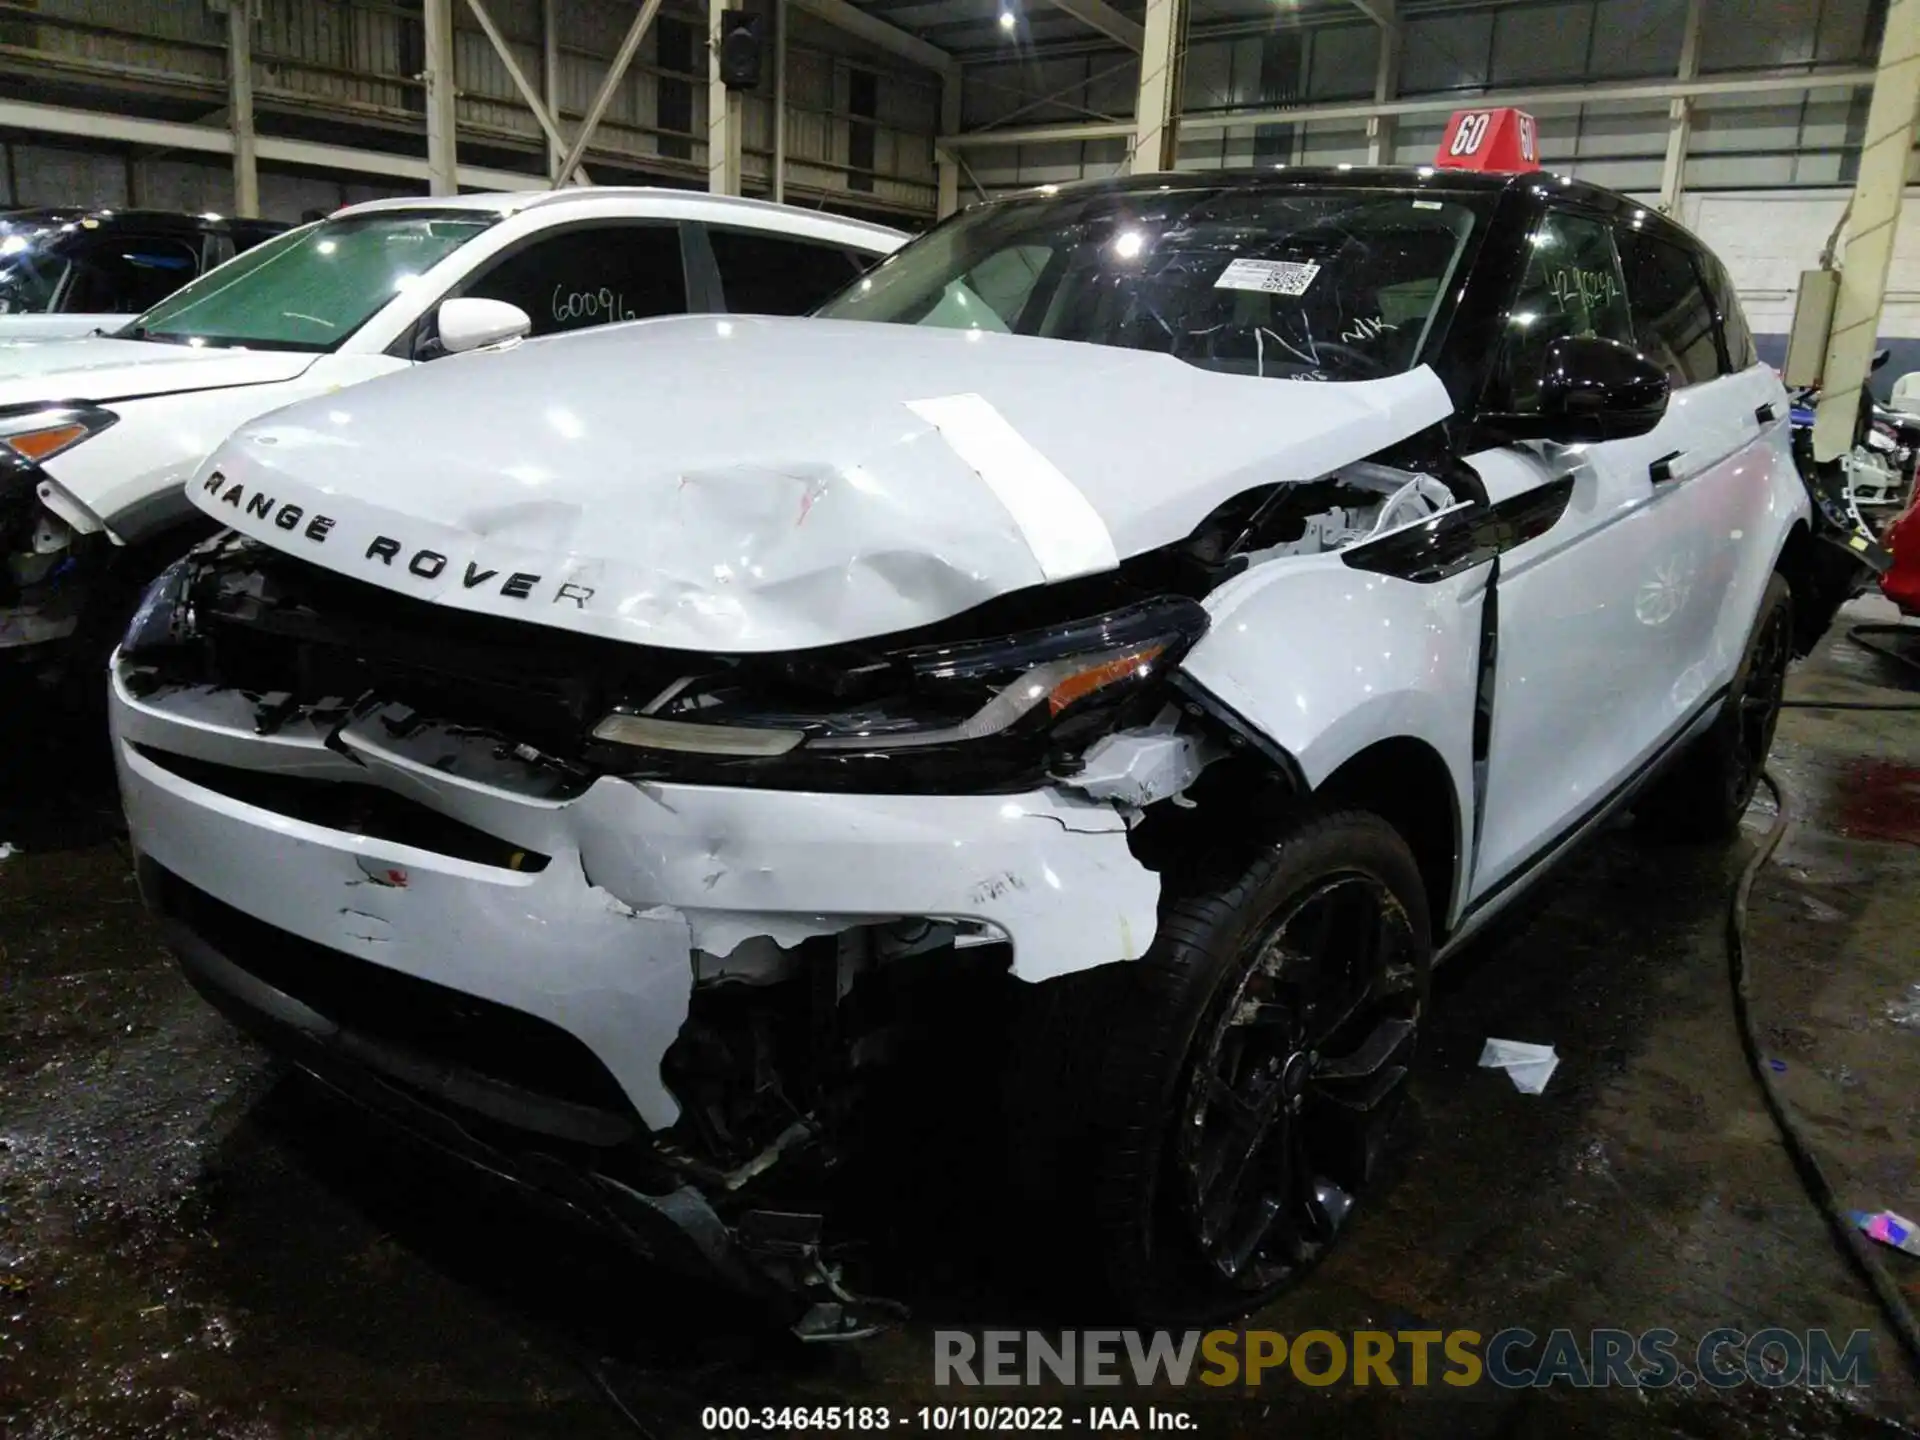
(1599, 620)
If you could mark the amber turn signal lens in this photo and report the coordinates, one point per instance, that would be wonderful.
(1097, 677)
(39, 444)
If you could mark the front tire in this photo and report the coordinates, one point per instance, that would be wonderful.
(1705, 794)
(1192, 1129)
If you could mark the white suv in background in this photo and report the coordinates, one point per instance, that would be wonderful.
(98, 436)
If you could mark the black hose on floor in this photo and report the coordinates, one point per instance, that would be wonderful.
(1859, 1249)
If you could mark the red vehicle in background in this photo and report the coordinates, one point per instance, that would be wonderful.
(1901, 583)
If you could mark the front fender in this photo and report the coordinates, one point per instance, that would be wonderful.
(1324, 660)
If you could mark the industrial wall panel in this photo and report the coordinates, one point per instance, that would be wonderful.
(1541, 44)
(1208, 76)
(1635, 38)
(49, 175)
(193, 186)
(1342, 61)
(1446, 52)
(1754, 34)
(1845, 32)
(1333, 144)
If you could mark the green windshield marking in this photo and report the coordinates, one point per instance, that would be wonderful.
(310, 288)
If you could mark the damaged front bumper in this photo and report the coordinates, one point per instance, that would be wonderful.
(411, 908)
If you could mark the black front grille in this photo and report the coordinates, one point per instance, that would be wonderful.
(271, 624)
(354, 808)
(418, 1016)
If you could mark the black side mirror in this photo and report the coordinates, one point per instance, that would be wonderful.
(1591, 389)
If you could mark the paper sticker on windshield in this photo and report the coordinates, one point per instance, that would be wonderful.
(1274, 277)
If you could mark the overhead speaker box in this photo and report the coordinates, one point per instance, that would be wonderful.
(741, 49)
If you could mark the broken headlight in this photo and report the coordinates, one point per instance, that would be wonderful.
(164, 617)
(1034, 690)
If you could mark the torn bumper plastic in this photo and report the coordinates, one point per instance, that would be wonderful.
(632, 879)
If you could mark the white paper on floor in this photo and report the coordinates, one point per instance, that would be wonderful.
(1528, 1066)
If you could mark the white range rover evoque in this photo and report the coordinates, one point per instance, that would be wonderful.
(1193, 603)
(98, 436)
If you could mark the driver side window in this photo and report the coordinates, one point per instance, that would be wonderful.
(1572, 287)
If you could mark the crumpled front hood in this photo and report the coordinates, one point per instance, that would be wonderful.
(100, 369)
(759, 484)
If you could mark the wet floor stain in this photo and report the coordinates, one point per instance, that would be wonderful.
(196, 1243)
(1880, 800)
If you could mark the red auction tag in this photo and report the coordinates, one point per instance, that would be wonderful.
(1495, 140)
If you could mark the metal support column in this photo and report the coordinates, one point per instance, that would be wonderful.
(1673, 170)
(949, 159)
(1386, 83)
(550, 80)
(616, 72)
(442, 162)
(246, 168)
(1870, 233)
(723, 112)
(1154, 134)
(779, 101)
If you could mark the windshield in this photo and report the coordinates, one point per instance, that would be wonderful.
(310, 288)
(30, 274)
(1297, 284)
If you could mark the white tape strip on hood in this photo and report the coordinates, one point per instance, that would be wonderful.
(1064, 532)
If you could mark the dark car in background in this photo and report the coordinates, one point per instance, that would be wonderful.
(71, 271)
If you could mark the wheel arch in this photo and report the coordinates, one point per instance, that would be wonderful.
(1406, 782)
(1820, 578)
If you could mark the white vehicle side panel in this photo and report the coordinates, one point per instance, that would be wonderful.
(1637, 580)
(1325, 660)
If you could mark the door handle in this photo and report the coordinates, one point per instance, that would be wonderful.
(1661, 470)
(1766, 414)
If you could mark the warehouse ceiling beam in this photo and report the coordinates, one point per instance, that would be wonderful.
(176, 135)
(1772, 82)
(1673, 169)
(1099, 15)
(541, 116)
(878, 33)
(609, 87)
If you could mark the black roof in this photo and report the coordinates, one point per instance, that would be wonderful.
(1534, 183)
(170, 221)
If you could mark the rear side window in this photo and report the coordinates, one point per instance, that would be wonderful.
(594, 275)
(767, 274)
(128, 274)
(1572, 288)
(1733, 321)
(1672, 316)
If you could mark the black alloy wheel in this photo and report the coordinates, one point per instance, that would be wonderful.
(1297, 1076)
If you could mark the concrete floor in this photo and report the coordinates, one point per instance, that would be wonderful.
(194, 1243)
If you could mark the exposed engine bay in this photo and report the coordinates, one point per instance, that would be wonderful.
(794, 1025)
